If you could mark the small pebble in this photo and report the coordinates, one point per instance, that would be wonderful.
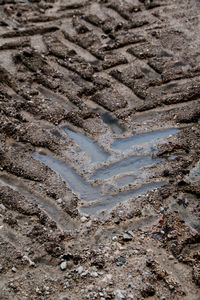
(84, 274)
(130, 232)
(94, 274)
(63, 265)
(89, 224)
(120, 296)
(127, 237)
(14, 270)
(79, 270)
(2, 207)
(83, 219)
(31, 263)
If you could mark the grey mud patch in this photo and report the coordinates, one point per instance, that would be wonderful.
(194, 176)
(181, 205)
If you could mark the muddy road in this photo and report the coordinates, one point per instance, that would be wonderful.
(99, 149)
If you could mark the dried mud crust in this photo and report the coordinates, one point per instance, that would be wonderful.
(74, 62)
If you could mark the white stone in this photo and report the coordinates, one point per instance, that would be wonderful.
(84, 274)
(14, 270)
(94, 274)
(63, 265)
(120, 296)
(83, 219)
(2, 207)
(25, 257)
(89, 224)
(79, 269)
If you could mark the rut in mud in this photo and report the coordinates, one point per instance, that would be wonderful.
(99, 149)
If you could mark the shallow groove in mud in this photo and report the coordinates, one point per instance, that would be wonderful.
(48, 206)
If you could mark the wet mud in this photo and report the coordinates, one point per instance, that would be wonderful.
(99, 150)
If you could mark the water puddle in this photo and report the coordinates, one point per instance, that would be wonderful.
(153, 138)
(84, 190)
(110, 202)
(115, 171)
(128, 165)
(89, 193)
(125, 180)
(95, 153)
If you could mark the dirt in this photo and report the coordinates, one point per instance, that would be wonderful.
(99, 149)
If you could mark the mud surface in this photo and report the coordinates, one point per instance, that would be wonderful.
(99, 149)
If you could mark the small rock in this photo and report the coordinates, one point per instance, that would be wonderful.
(31, 263)
(2, 207)
(84, 274)
(59, 201)
(63, 265)
(171, 257)
(119, 295)
(83, 219)
(120, 261)
(89, 224)
(171, 287)
(166, 173)
(130, 232)
(148, 290)
(94, 274)
(14, 270)
(127, 237)
(79, 270)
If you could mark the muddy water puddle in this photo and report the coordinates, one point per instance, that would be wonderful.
(120, 171)
(88, 146)
(125, 180)
(109, 202)
(138, 140)
(85, 191)
(128, 165)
